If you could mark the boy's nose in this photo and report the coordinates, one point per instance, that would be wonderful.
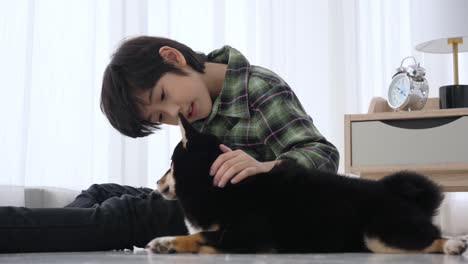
(173, 112)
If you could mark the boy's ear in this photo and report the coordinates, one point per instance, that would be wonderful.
(172, 56)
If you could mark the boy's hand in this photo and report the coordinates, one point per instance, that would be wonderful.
(235, 166)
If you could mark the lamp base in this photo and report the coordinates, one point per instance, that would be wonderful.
(453, 96)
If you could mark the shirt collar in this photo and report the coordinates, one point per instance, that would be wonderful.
(233, 98)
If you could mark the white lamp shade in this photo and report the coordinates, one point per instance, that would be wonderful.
(434, 21)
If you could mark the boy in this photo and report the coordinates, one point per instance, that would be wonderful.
(147, 83)
(150, 80)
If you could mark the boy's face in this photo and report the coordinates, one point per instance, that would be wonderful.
(175, 94)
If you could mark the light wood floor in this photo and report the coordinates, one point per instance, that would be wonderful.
(145, 257)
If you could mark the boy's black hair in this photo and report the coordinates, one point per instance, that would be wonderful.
(137, 66)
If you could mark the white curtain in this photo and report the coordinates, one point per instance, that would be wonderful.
(335, 54)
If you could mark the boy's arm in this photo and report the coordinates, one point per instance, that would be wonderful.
(285, 127)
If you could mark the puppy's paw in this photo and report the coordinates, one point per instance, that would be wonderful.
(162, 245)
(455, 246)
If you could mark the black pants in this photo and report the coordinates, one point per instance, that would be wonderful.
(104, 217)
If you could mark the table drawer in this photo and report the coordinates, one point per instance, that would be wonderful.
(416, 141)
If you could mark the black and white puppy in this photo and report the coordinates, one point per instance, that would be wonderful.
(293, 210)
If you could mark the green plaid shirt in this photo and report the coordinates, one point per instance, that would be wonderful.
(258, 113)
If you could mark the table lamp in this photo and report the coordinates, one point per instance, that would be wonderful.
(441, 26)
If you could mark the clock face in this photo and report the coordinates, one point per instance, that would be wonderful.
(399, 90)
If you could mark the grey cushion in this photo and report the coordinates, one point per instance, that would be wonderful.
(36, 197)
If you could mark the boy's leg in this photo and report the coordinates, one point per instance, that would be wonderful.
(98, 193)
(116, 223)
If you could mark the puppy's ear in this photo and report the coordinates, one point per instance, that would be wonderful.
(187, 131)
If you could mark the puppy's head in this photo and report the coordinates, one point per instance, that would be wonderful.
(194, 141)
(196, 148)
(191, 162)
(166, 186)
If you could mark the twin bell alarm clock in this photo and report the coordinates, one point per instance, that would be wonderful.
(408, 90)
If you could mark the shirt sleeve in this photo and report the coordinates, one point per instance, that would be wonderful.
(284, 126)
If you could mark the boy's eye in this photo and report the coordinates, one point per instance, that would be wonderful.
(162, 95)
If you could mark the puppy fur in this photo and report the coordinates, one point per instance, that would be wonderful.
(293, 210)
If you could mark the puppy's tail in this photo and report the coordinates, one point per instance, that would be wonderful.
(415, 189)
